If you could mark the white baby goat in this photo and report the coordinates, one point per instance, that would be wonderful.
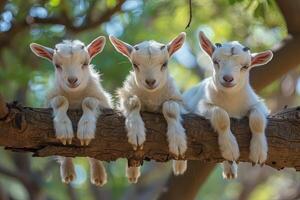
(228, 94)
(77, 85)
(149, 87)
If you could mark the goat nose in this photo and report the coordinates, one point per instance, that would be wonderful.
(72, 80)
(228, 78)
(150, 82)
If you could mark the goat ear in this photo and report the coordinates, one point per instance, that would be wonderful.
(42, 51)
(176, 43)
(206, 44)
(96, 46)
(261, 58)
(121, 46)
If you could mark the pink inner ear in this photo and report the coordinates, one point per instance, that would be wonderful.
(43, 53)
(95, 47)
(121, 47)
(260, 58)
(206, 45)
(175, 45)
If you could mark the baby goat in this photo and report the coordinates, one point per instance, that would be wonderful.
(77, 85)
(149, 87)
(228, 94)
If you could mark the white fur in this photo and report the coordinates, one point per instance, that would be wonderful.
(67, 171)
(133, 173)
(212, 99)
(73, 58)
(164, 97)
(229, 170)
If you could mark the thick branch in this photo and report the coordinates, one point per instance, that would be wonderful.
(286, 57)
(30, 129)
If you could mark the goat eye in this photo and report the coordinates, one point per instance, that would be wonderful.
(58, 66)
(245, 67)
(84, 65)
(216, 62)
(164, 65)
(135, 66)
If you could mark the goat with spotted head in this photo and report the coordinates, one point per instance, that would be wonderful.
(149, 87)
(228, 94)
(76, 85)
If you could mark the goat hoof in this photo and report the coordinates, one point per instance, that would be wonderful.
(253, 164)
(63, 141)
(82, 142)
(68, 179)
(98, 182)
(228, 176)
(87, 142)
(140, 147)
(69, 141)
(134, 147)
(133, 180)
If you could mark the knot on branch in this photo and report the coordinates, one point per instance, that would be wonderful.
(15, 115)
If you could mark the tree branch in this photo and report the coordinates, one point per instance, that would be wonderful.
(18, 26)
(90, 24)
(31, 129)
(286, 57)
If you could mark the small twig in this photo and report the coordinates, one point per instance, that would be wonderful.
(191, 14)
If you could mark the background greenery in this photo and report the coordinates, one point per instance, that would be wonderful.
(258, 24)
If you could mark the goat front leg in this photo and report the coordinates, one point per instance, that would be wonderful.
(62, 123)
(228, 145)
(87, 123)
(98, 173)
(258, 144)
(176, 135)
(67, 170)
(134, 122)
(220, 121)
(135, 131)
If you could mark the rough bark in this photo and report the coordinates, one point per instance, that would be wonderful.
(31, 129)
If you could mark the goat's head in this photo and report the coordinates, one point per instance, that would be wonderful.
(232, 62)
(71, 60)
(149, 60)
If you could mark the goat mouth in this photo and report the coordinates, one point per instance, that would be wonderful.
(73, 86)
(151, 87)
(228, 85)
